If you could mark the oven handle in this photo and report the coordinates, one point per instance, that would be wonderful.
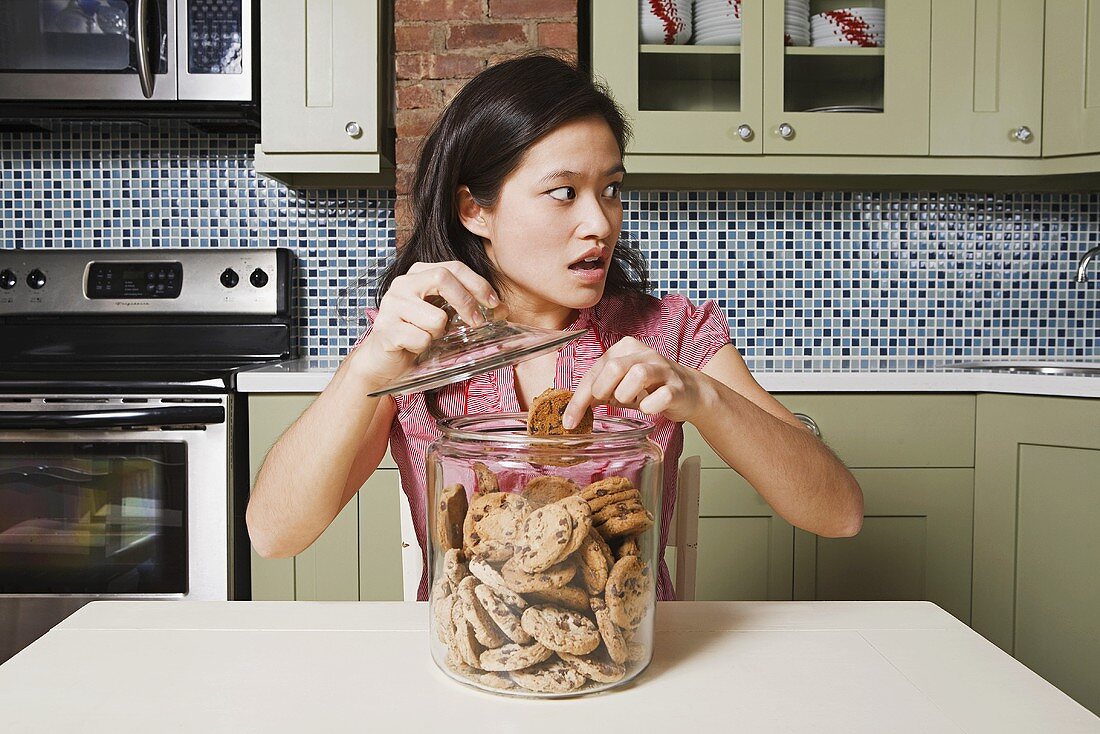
(159, 417)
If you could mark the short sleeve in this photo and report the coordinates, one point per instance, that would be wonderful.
(696, 332)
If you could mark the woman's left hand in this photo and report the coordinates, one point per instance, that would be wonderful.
(633, 375)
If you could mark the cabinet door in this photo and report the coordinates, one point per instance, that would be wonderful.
(338, 565)
(320, 74)
(1057, 552)
(268, 417)
(915, 543)
(1037, 499)
(745, 548)
(808, 88)
(686, 98)
(380, 537)
(328, 570)
(1071, 84)
(987, 77)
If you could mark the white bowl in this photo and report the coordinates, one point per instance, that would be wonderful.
(652, 29)
(727, 39)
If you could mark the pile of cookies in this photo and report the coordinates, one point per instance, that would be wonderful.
(542, 589)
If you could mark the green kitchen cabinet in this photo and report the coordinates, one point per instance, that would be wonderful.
(913, 455)
(1036, 545)
(758, 97)
(1071, 85)
(359, 555)
(987, 78)
(745, 548)
(325, 110)
(809, 91)
(915, 543)
(682, 99)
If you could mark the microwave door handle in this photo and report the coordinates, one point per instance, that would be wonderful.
(157, 417)
(145, 61)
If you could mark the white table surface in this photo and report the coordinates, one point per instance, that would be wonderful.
(271, 667)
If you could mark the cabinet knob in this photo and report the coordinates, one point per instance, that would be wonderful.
(809, 423)
(353, 130)
(785, 131)
(744, 132)
(1023, 134)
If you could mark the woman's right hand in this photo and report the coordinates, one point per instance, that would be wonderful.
(407, 323)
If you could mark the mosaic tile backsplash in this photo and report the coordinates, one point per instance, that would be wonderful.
(800, 274)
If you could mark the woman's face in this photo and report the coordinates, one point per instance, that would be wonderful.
(558, 218)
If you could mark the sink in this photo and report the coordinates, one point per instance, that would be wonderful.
(1033, 367)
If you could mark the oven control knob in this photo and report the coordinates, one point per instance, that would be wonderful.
(36, 279)
(258, 278)
(8, 280)
(230, 278)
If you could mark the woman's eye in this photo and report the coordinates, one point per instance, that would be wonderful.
(564, 193)
(614, 190)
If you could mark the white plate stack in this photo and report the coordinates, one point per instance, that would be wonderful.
(718, 22)
(849, 27)
(797, 26)
(664, 21)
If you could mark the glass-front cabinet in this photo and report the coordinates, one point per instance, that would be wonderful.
(700, 94)
(803, 77)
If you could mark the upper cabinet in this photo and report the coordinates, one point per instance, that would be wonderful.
(987, 77)
(891, 87)
(685, 99)
(325, 115)
(860, 89)
(1071, 104)
(750, 83)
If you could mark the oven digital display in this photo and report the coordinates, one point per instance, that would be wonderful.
(134, 280)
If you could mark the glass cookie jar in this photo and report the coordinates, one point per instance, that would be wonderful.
(543, 554)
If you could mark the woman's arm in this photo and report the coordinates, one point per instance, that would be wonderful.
(335, 445)
(791, 469)
(795, 472)
(317, 465)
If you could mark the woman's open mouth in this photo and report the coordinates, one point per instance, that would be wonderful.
(590, 269)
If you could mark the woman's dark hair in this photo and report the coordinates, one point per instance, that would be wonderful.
(480, 139)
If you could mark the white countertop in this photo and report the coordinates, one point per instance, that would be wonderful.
(780, 376)
(117, 666)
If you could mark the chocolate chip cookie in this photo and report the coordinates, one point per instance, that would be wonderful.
(544, 418)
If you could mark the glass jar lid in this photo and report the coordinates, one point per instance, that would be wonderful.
(464, 351)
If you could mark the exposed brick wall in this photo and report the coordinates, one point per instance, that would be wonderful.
(439, 44)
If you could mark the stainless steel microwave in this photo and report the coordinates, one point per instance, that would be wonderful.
(143, 52)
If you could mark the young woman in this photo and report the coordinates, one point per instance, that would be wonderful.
(516, 203)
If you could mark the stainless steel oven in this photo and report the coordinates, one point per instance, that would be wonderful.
(109, 496)
(127, 50)
(123, 464)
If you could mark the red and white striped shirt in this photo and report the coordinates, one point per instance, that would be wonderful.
(671, 326)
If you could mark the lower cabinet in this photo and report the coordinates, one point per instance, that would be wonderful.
(913, 455)
(915, 543)
(1037, 540)
(358, 557)
(745, 548)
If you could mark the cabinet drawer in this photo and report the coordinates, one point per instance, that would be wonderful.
(903, 430)
(881, 430)
(269, 417)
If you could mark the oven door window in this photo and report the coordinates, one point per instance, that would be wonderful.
(79, 36)
(93, 517)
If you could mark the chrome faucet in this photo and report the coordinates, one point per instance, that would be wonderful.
(1083, 264)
